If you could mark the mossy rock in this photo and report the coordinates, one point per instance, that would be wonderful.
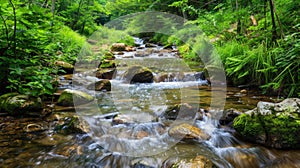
(108, 56)
(272, 124)
(74, 97)
(118, 47)
(17, 104)
(68, 68)
(138, 74)
(107, 64)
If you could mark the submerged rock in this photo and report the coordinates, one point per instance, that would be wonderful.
(17, 104)
(187, 131)
(197, 162)
(102, 85)
(70, 97)
(138, 74)
(272, 124)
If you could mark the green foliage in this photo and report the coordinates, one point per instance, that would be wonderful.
(66, 45)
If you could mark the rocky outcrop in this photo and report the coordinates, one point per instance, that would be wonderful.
(138, 74)
(187, 131)
(272, 124)
(102, 85)
(17, 104)
(74, 97)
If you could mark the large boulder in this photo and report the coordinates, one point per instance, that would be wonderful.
(187, 131)
(138, 74)
(272, 124)
(118, 47)
(17, 104)
(70, 97)
(107, 73)
(102, 85)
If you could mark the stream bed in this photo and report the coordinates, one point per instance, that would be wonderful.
(127, 127)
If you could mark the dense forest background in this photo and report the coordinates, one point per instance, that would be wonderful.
(257, 40)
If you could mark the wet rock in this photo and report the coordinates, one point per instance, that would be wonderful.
(108, 73)
(118, 47)
(130, 49)
(244, 91)
(17, 104)
(272, 124)
(182, 111)
(140, 54)
(70, 150)
(241, 158)
(68, 68)
(127, 56)
(187, 131)
(34, 128)
(70, 123)
(102, 85)
(52, 140)
(197, 162)
(165, 77)
(150, 45)
(138, 74)
(200, 75)
(228, 116)
(74, 97)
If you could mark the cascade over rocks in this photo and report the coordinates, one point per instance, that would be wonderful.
(272, 124)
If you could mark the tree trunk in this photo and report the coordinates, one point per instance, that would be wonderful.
(274, 33)
(14, 39)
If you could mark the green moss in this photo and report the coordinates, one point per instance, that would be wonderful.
(248, 126)
(108, 56)
(286, 129)
(107, 64)
(14, 103)
(282, 130)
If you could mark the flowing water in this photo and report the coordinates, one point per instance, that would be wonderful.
(138, 137)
